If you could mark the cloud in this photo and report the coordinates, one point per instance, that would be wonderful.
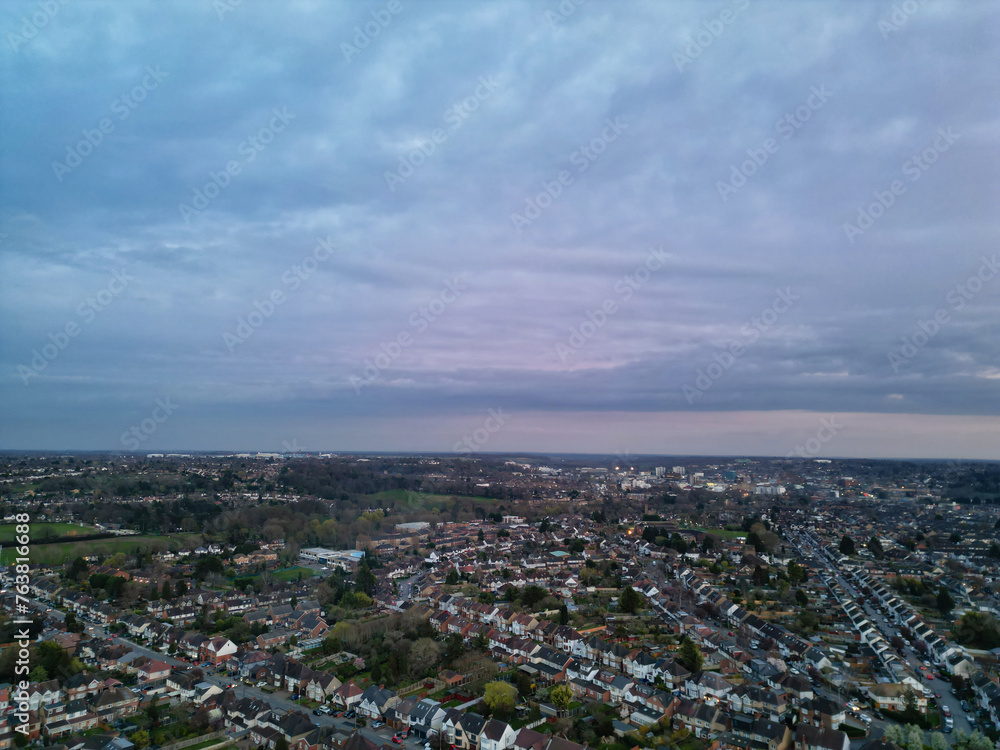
(556, 85)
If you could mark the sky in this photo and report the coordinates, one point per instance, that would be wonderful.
(739, 227)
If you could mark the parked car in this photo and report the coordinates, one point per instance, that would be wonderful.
(397, 740)
(946, 711)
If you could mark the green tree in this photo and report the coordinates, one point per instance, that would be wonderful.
(561, 696)
(801, 598)
(875, 547)
(499, 697)
(689, 655)
(182, 588)
(846, 545)
(796, 573)
(630, 601)
(140, 739)
(452, 578)
(563, 614)
(364, 580)
(944, 601)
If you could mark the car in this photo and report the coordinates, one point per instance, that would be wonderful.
(937, 695)
(965, 705)
(866, 718)
(879, 715)
(317, 712)
(295, 696)
(377, 724)
(946, 711)
(397, 740)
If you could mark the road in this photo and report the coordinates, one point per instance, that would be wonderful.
(877, 617)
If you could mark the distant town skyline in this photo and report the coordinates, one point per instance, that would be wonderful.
(705, 228)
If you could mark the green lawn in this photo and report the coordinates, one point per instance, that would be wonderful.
(40, 531)
(724, 533)
(61, 552)
(423, 500)
(292, 574)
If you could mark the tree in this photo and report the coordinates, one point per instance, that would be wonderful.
(452, 578)
(796, 573)
(499, 697)
(944, 601)
(630, 600)
(938, 741)
(875, 547)
(689, 655)
(978, 630)
(563, 614)
(182, 588)
(364, 580)
(760, 576)
(846, 545)
(153, 712)
(524, 686)
(424, 653)
(894, 733)
(914, 737)
(561, 696)
(801, 598)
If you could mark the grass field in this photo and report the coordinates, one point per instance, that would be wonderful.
(423, 500)
(61, 552)
(725, 533)
(41, 531)
(292, 574)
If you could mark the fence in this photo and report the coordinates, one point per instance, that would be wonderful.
(434, 686)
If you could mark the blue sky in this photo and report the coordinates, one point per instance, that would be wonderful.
(678, 227)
